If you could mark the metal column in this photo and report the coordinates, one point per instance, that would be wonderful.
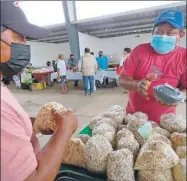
(70, 15)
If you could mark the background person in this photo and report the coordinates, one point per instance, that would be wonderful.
(54, 74)
(21, 157)
(61, 68)
(73, 64)
(48, 77)
(88, 69)
(54, 64)
(124, 55)
(102, 61)
(169, 59)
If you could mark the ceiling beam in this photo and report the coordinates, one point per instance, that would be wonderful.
(54, 38)
(135, 31)
(58, 33)
(129, 33)
(113, 25)
(121, 29)
(55, 41)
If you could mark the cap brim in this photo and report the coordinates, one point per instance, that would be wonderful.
(30, 30)
(170, 22)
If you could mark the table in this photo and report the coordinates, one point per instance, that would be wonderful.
(99, 76)
(103, 73)
(41, 77)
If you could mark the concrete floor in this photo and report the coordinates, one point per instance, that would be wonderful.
(85, 107)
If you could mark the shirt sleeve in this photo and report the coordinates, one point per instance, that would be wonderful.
(18, 160)
(130, 65)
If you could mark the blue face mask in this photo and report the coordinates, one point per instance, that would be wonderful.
(163, 44)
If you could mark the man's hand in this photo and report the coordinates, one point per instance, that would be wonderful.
(142, 87)
(67, 121)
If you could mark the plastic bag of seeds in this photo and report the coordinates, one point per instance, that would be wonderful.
(75, 154)
(94, 121)
(121, 126)
(129, 143)
(154, 124)
(156, 155)
(124, 133)
(116, 108)
(155, 175)
(168, 94)
(181, 151)
(44, 120)
(179, 172)
(161, 131)
(97, 150)
(173, 122)
(178, 139)
(156, 136)
(133, 125)
(84, 138)
(127, 118)
(109, 121)
(117, 116)
(120, 166)
(105, 130)
(141, 115)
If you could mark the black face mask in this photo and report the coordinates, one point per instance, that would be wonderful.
(20, 57)
(100, 55)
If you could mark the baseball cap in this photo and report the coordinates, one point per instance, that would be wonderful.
(60, 54)
(174, 17)
(14, 18)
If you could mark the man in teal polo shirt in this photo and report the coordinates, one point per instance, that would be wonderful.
(102, 61)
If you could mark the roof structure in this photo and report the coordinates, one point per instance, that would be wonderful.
(131, 22)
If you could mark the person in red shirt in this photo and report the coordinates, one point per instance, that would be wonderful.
(163, 58)
(21, 157)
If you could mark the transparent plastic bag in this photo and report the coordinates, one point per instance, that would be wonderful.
(44, 120)
(181, 151)
(178, 139)
(75, 154)
(168, 94)
(179, 172)
(161, 131)
(173, 122)
(105, 130)
(120, 166)
(156, 155)
(96, 153)
(158, 137)
(133, 125)
(155, 175)
(94, 121)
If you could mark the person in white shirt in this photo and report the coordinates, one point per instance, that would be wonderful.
(88, 69)
(124, 55)
(61, 69)
(50, 68)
